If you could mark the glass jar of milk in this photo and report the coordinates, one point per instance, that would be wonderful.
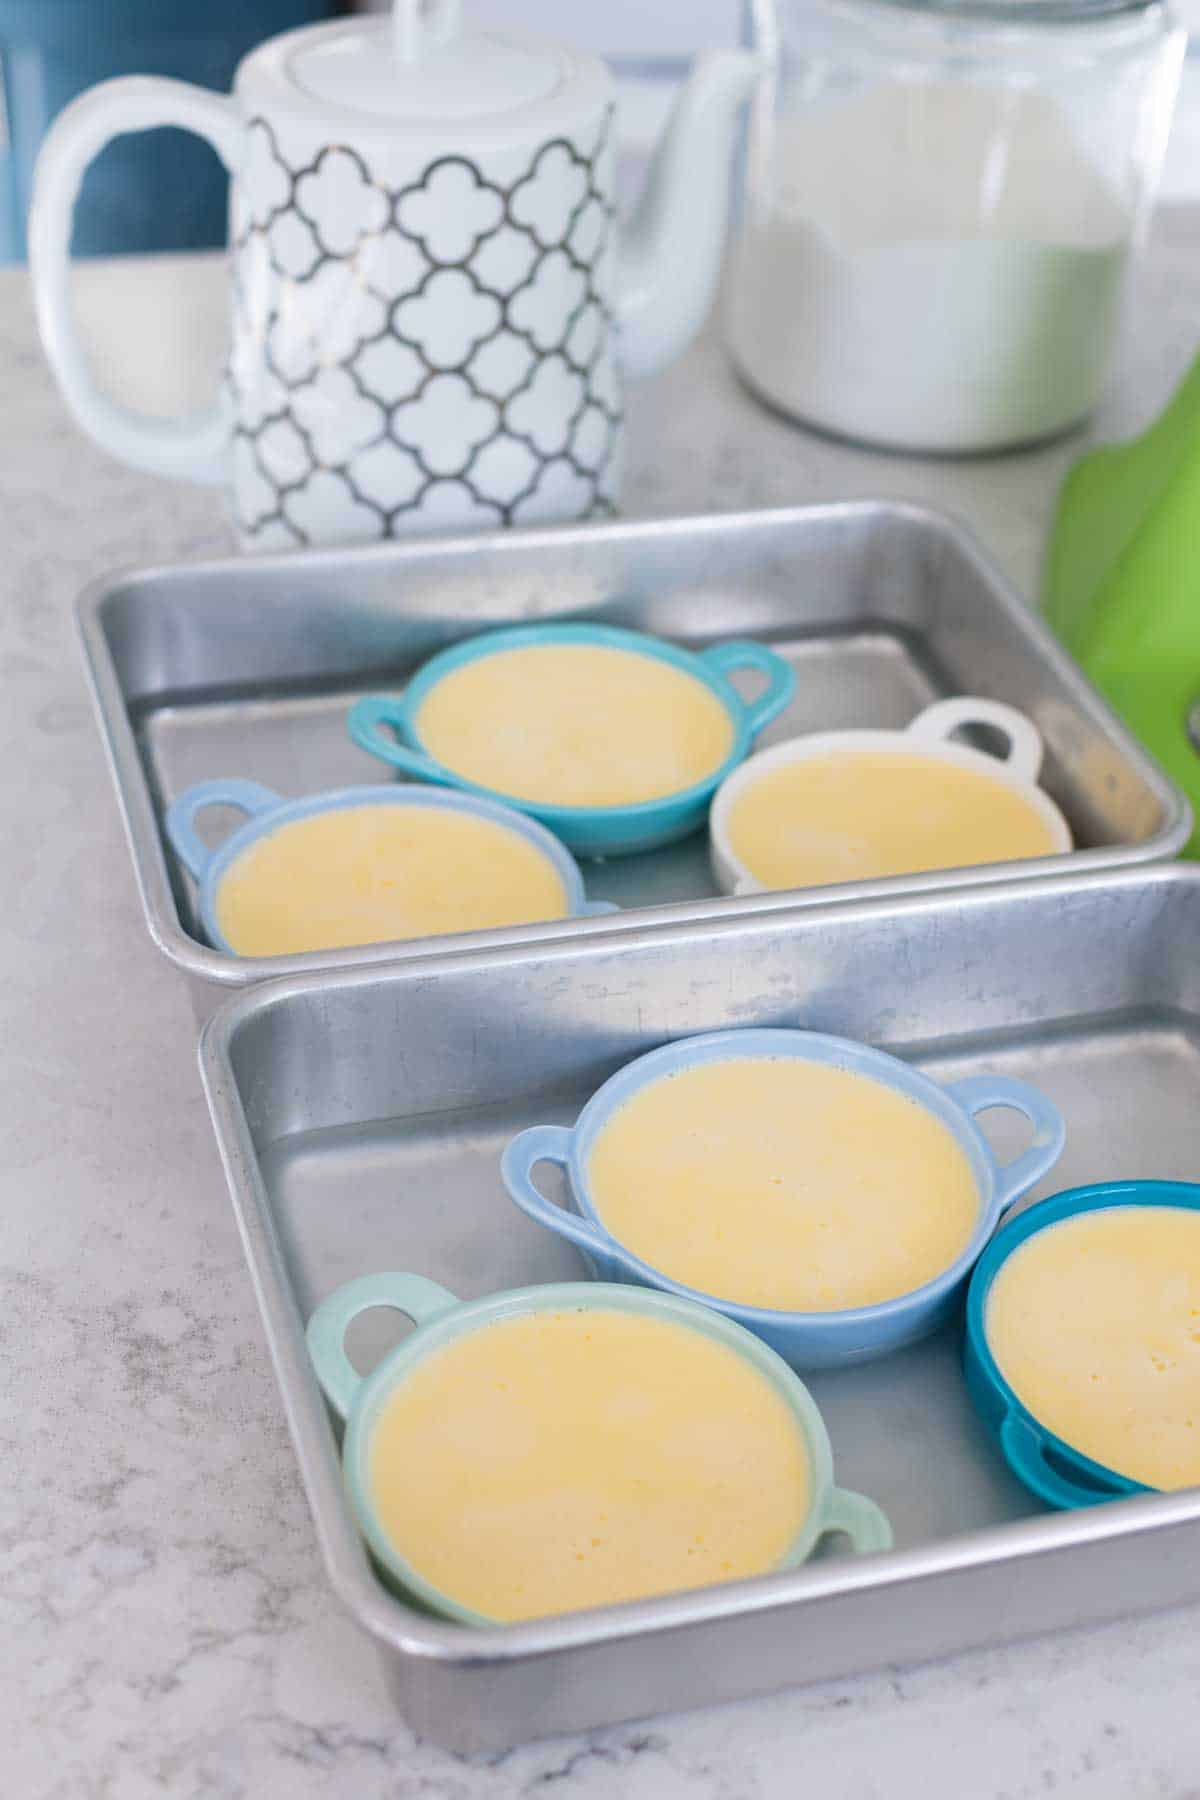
(941, 199)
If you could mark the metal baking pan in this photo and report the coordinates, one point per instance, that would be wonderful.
(361, 1116)
(247, 667)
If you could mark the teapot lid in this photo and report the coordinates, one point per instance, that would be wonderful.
(423, 68)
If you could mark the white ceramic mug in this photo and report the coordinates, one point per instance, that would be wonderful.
(425, 305)
(930, 734)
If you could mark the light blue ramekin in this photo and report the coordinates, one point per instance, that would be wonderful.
(807, 1340)
(1046, 1463)
(266, 811)
(589, 830)
(441, 1318)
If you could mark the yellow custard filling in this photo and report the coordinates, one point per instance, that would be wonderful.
(575, 725)
(365, 874)
(781, 1183)
(571, 1459)
(857, 815)
(1095, 1325)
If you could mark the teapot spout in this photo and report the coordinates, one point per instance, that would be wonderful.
(670, 254)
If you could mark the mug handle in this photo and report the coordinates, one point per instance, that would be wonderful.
(249, 797)
(941, 720)
(363, 722)
(1026, 1457)
(418, 1298)
(192, 448)
(865, 1524)
(547, 1143)
(977, 1093)
(744, 653)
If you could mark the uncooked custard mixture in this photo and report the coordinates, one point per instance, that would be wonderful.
(783, 1183)
(575, 725)
(858, 815)
(1095, 1325)
(576, 1458)
(367, 874)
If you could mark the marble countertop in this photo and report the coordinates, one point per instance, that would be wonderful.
(166, 1625)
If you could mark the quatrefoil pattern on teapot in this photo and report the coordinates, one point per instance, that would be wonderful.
(435, 354)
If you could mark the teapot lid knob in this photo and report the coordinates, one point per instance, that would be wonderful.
(419, 26)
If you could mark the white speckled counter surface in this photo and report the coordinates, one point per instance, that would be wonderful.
(167, 1629)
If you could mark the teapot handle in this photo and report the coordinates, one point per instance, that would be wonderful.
(193, 448)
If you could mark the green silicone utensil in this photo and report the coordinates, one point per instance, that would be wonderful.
(1122, 582)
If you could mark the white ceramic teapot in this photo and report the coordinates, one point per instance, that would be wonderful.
(430, 308)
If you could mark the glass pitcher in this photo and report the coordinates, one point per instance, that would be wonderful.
(941, 200)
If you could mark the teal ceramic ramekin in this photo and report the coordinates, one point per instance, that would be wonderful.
(441, 1318)
(589, 830)
(1047, 1464)
(807, 1340)
(266, 811)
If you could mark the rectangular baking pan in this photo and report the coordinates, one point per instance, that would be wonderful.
(247, 668)
(361, 1116)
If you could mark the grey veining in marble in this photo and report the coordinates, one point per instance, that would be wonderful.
(165, 1627)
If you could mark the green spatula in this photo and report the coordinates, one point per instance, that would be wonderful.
(1122, 582)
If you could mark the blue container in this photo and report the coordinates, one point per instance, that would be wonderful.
(160, 191)
(1056, 1473)
(814, 1340)
(588, 830)
(266, 811)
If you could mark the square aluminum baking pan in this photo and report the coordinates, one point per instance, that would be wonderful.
(361, 1117)
(247, 668)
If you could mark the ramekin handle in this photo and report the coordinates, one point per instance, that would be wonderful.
(363, 723)
(744, 653)
(1026, 1457)
(978, 1093)
(547, 1143)
(250, 797)
(865, 1524)
(941, 720)
(415, 1296)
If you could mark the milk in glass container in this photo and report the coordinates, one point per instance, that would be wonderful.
(941, 201)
